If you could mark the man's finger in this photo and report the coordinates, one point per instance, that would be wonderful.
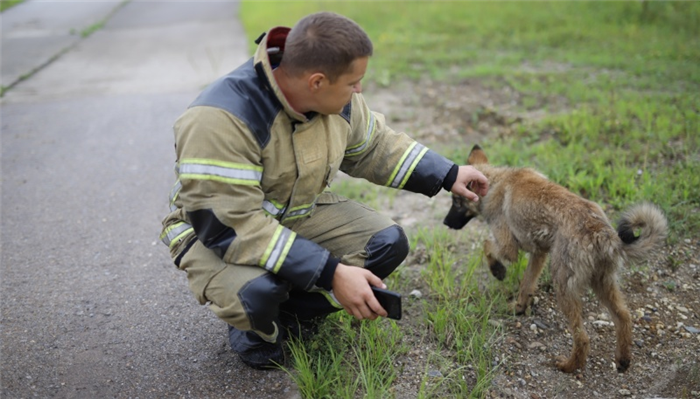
(376, 307)
(464, 192)
(357, 314)
(481, 188)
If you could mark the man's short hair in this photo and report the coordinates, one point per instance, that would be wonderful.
(325, 42)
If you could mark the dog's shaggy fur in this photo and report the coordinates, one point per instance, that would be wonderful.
(525, 211)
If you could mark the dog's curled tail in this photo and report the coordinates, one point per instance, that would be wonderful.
(642, 229)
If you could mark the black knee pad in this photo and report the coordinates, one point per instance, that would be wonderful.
(386, 249)
(261, 298)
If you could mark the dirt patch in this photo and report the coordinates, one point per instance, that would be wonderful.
(663, 296)
(443, 114)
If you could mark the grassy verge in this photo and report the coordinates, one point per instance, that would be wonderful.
(5, 4)
(628, 76)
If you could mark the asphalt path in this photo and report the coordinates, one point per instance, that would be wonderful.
(92, 306)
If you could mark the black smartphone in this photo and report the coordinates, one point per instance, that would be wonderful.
(390, 301)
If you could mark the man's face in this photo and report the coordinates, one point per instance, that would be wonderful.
(333, 97)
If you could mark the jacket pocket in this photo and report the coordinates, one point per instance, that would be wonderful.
(328, 197)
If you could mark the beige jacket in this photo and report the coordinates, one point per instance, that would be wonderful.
(249, 166)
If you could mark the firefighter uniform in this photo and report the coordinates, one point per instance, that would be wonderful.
(252, 220)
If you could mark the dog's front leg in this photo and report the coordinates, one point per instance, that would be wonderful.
(503, 249)
(529, 283)
(495, 265)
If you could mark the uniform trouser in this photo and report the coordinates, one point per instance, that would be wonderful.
(250, 299)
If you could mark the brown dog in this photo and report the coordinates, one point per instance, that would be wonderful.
(526, 211)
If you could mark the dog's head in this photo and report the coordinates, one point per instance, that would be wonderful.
(462, 209)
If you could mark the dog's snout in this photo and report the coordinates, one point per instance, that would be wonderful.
(456, 218)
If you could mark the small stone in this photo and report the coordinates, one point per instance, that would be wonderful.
(625, 392)
(533, 327)
(691, 329)
(540, 324)
(534, 345)
(434, 373)
(682, 309)
(517, 324)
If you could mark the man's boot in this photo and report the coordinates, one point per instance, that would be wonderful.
(299, 329)
(254, 351)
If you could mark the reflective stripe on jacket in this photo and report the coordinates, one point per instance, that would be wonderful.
(249, 166)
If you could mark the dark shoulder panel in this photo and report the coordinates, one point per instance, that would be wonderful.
(246, 96)
(347, 112)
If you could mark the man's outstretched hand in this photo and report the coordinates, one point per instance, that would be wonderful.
(470, 183)
(351, 287)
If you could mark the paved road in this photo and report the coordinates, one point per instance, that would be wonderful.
(91, 305)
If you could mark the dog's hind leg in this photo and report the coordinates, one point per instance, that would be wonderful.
(606, 288)
(529, 283)
(570, 304)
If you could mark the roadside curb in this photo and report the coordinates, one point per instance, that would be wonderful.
(30, 66)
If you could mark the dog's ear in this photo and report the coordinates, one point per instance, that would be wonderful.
(477, 156)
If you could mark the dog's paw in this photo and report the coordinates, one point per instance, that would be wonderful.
(498, 270)
(517, 308)
(623, 365)
(565, 365)
(520, 309)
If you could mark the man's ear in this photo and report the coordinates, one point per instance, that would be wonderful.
(316, 81)
(477, 156)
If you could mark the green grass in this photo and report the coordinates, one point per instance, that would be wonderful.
(621, 81)
(5, 4)
(350, 359)
(348, 356)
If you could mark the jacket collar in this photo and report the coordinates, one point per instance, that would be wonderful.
(270, 49)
